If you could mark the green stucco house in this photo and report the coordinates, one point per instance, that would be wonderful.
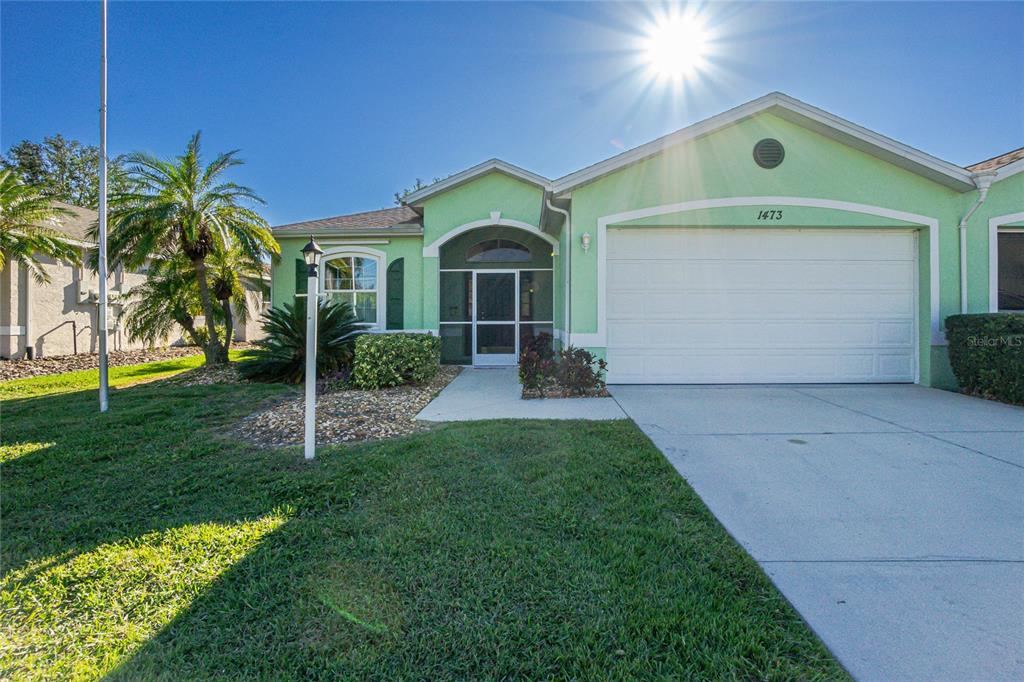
(774, 242)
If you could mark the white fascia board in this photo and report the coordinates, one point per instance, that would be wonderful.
(476, 171)
(798, 112)
(876, 144)
(330, 232)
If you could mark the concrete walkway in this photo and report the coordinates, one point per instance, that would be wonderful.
(495, 394)
(891, 517)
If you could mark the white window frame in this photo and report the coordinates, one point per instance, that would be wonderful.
(381, 289)
(995, 228)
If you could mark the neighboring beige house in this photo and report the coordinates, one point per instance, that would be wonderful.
(59, 317)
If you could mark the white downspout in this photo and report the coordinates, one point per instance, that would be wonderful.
(568, 270)
(30, 348)
(982, 181)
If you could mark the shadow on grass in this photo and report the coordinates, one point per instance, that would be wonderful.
(152, 462)
(478, 550)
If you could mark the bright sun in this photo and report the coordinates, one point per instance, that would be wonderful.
(676, 47)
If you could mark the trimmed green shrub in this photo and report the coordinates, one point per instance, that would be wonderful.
(281, 355)
(384, 360)
(987, 354)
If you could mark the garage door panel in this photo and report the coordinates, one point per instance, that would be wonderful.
(877, 304)
(844, 245)
(740, 305)
(896, 333)
(803, 367)
(757, 305)
(718, 275)
(681, 335)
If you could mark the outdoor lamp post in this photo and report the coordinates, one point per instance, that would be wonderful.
(311, 253)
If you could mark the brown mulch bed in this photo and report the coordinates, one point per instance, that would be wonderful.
(59, 364)
(346, 416)
(552, 390)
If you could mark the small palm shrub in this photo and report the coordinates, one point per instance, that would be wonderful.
(384, 360)
(281, 355)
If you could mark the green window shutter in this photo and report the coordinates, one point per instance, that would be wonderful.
(396, 295)
(300, 276)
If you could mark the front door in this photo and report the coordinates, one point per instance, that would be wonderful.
(494, 318)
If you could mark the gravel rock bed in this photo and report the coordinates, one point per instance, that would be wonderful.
(59, 364)
(346, 416)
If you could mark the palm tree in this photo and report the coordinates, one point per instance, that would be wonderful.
(179, 206)
(169, 297)
(26, 234)
(227, 268)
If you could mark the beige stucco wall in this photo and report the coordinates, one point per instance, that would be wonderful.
(252, 329)
(63, 315)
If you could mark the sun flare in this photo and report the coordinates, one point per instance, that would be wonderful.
(676, 47)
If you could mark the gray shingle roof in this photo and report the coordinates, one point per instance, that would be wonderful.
(398, 220)
(78, 224)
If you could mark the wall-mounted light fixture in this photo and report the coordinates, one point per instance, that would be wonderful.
(585, 241)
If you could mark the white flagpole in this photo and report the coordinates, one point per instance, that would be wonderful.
(103, 217)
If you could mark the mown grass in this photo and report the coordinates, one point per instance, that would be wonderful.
(144, 545)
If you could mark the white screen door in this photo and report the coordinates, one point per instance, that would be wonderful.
(495, 339)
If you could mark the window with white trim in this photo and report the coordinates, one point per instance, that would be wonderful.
(1010, 252)
(353, 279)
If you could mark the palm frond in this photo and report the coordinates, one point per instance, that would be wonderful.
(281, 355)
(27, 227)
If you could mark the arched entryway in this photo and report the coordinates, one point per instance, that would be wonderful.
(495, 295)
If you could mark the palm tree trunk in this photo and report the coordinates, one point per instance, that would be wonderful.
(212, 349)
(190, 329)
(229, 327)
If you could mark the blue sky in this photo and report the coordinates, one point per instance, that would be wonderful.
(337, 105)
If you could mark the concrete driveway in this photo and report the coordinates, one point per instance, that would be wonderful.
(892, 517)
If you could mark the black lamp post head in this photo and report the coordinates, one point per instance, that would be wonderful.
(311, 252)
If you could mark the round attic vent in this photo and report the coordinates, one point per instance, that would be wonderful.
(769, 153)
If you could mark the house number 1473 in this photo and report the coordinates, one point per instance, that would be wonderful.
(774, 214)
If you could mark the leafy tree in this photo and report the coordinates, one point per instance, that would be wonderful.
(27, 220)
(180, 207)
(64, 169)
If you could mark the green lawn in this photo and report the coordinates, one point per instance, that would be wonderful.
(143, 544)
(90, 378)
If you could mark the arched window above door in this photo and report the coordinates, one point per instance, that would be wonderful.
(498, 251)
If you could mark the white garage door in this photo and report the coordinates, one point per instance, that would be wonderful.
(761, 305)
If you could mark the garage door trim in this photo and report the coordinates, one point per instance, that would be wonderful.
(599, 337)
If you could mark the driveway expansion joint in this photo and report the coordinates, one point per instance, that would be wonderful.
(910, 429)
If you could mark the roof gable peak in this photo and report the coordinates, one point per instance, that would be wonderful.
(795, 111)
(490, 166)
